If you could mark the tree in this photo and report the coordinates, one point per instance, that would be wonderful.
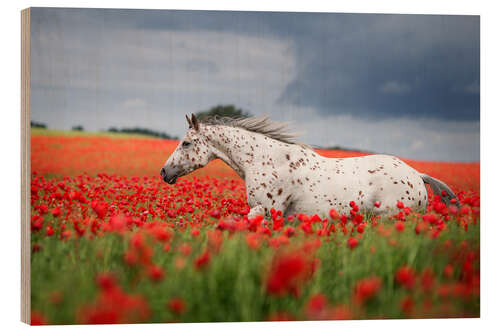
(223, 111)
(142, 131)
(35, 124)
(77, 128)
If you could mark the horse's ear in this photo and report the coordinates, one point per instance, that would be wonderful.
(189, 122)
(194, 121)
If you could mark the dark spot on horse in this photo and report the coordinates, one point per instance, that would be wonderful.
(288, 157)
(280, 191)
(269, 195)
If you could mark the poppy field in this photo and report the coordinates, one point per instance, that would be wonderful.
(112, 243)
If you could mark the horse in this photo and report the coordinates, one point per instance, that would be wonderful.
(291, 177)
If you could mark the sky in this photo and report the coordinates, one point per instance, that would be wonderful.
(407, 85)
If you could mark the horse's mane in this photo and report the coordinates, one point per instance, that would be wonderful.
(263, 125)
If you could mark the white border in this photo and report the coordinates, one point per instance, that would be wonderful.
(490, 110)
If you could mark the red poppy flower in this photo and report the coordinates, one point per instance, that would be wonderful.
(405, 276)
(155, 273)
(316, 307)
(177, 305)
(407, 305)
(427, 279)
(448, 271)
(400, 226)
(288, 271)
(352, 243)
(366, 289)
(202, 261)
(38, 319)
(334, 215)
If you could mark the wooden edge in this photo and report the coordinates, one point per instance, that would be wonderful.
(25, 166)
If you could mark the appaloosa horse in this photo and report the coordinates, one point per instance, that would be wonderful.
(285, 175)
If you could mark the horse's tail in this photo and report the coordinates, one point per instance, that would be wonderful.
(438, 187)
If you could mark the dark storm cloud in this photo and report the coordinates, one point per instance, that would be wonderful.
(393, 66)
(366, 65)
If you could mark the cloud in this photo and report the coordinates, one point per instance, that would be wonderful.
(417, 145)
(395, 87)
(425, 139)
(88, 74)
(134, 103)
(472, 88)
(420, 59)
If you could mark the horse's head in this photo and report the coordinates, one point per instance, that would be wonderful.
(193, 152)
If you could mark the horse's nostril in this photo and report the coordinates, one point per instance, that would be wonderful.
(163, 172)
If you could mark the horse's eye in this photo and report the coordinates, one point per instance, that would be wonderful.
(185, 144)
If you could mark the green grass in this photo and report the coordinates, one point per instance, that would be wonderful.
(232, 287)
(54, 132)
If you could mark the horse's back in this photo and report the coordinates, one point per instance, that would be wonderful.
(388, 180)
(369, 179)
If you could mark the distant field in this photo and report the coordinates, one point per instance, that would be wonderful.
(112, 243)
(53, 132)
(72, 153)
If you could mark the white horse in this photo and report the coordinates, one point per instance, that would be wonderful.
(288, 176)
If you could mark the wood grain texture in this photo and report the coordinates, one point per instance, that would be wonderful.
(25, 166)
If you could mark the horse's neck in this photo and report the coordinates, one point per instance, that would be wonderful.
(239, 148)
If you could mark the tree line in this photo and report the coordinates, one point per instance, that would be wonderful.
(229, 110)
(218, 110)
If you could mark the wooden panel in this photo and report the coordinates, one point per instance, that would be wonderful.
(25, 166)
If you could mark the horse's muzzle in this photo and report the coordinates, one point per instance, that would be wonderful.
(168, 177)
